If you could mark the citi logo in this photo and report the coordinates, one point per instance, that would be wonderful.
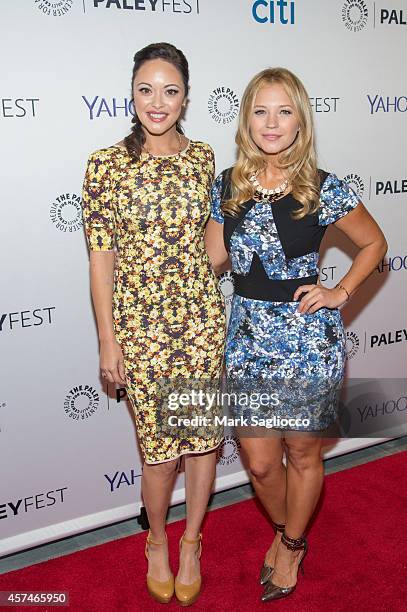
(274, 11)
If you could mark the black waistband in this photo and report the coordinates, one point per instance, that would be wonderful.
(270, 290)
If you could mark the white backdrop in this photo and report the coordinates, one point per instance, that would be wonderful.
(68, 455)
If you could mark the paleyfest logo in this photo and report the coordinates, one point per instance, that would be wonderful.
(355, 15)
(223, 105)
(55, 8)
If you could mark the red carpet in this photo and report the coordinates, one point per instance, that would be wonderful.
(357, 558)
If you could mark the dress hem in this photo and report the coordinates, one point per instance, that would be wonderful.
(184, 453)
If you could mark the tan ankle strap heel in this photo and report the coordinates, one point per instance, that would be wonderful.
(188, 593)
(161, 591)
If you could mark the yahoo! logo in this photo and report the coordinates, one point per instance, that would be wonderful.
(108, 107)
(387, 104)
(393, 263)
(119, 479)
(274, 11)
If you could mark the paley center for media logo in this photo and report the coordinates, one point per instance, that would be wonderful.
(352, 344)
(373, 341)
(66, 212)
(376, 187)
(356, 183)
(228, 451)
(223, 105)
(54, 8)
(274, 11)
(81, 402)
(356, 15)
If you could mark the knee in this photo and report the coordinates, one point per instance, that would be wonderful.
(260, 470)
(302, 459)
(165, 469)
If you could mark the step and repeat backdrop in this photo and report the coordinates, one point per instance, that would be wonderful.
(69, 459)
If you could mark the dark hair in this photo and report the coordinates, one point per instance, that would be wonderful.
(135, 140)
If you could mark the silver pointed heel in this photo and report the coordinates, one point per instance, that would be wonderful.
(273, 591)
(266, 570)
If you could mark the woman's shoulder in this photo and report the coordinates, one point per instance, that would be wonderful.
(330, 180)
(199, 146)
(109, 153)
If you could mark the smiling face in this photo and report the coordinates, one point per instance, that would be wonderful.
(158, 94)
(273, 121)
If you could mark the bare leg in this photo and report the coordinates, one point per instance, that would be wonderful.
(199, 477)
(305, 473)
(268, 475)
(157, 484)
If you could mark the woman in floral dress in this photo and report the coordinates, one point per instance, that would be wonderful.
(160, 314)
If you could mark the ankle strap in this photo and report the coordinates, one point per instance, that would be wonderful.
(198, 539)
(150, 541)
(293, 544)
(278, 526)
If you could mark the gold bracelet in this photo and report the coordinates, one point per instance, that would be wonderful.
(339, 286)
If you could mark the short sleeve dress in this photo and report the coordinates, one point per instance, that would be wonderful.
(296, 359)
(168, 313)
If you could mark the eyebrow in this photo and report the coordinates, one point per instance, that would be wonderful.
(149, 84)
(280, 106)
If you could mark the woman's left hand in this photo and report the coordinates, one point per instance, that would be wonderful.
(318, 297)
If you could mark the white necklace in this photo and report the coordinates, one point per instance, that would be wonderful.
(270, 195)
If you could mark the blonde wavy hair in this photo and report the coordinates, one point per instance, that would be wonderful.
(299, 160)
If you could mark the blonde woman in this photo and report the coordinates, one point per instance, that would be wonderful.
(270, 213)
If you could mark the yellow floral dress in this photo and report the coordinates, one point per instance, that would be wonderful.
(168, 313)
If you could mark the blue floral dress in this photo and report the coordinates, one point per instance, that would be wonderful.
(295, 360)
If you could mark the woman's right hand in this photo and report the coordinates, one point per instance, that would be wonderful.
(112, 362)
